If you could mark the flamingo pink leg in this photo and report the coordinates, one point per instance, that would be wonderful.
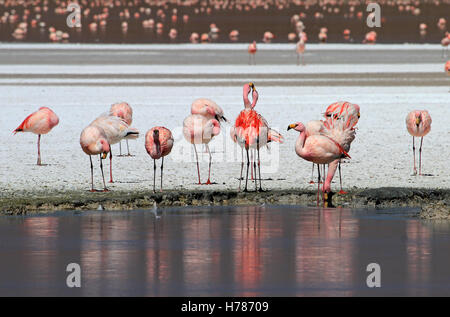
(162, 164)
(210, 159)
(420, 157)
(242, 167)
(110, 167)
(92, 174)
(341, 192)
(39, 150)
(154, 175)
(198, 167)
(246, 177)
(103, 175)
(414, 157)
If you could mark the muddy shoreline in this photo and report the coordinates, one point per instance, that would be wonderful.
(434, 203)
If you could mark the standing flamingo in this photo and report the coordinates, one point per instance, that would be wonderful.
(115, 130)
(251, 53)
(342, 110)
(300, 47)
(158, 143)
(39, 122)
(124, 111)
(252, 132)
(418, 123)
(313, 127)
(201, 126)
(322, 148)
(93, 141)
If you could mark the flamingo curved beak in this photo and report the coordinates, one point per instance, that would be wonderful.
(291, 126)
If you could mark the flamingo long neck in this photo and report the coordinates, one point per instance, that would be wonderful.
(301, 140)
(157, 144)
(255, 99)
(245, 96)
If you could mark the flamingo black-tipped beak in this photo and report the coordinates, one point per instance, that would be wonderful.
(105, 154)
(291, 126)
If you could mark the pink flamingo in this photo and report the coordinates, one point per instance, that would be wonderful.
(252, 132)
(158, 143)
(93, 141)
(313, 127)
(39, 122)
(251, 53)
(447, 67)
(208, 109)
(418, 123)
(115, 130)
(322, 148)
(300, 47)
(124, 111)
(342, 110)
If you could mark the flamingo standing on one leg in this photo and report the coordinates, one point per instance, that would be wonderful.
(115, 129)
(251, 53)
(158, 143)
(321, 148)
(252, 132)
(124, 111)
(418, 123)
(93, 141)
(342, 110)
(39, 122)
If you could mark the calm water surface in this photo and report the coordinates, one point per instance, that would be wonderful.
(225, 251)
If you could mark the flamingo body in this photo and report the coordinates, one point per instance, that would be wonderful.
(418, 123)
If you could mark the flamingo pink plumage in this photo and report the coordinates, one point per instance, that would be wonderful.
(300, 47)
(158, 143)
(201, 126)
(418, 124)
(39, 122)
(93, 141)
(252, 131)
(251, 53)
(124, 111)
(115, 130)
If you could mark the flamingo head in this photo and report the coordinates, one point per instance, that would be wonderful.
(105, 147)
(298, 126)
(418, 116)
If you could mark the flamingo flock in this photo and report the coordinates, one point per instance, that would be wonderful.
(323, 142)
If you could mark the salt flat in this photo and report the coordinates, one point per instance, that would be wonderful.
(381, 153)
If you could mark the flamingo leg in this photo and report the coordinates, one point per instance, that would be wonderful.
(420, 157)
(110, 167)
(210, 161)
(39, 150)
(103, 175)
(259, 168)
(92, 174)
(414, 157)
(254, 167)
(120, 148)
(154, 175)
(162, 164)
(246, 177)
(342, 192)
(242, 167)
(251, 166)
(318, 183)
(312, 175)
(128, 148)
(198, 168)
(298, 59)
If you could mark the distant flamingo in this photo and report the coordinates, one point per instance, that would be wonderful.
(251, 53)
(158, 143)
(252, 132)
(115, 130)
(93, 141)
(418, 123)
(322, 148)
(122, 110)
(39, 122)
(300, 47)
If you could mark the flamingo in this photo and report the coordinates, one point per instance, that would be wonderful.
(300, 47)
(124, 111)
(418, 124)
(158, 143)
(337, 111)
(252, 132)
(313, 127)
(93, 141)
(251, 53)
(208, 109)
(115, 130)
(39, 122)
(322, 148)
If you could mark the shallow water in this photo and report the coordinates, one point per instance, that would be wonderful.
(229, 251)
